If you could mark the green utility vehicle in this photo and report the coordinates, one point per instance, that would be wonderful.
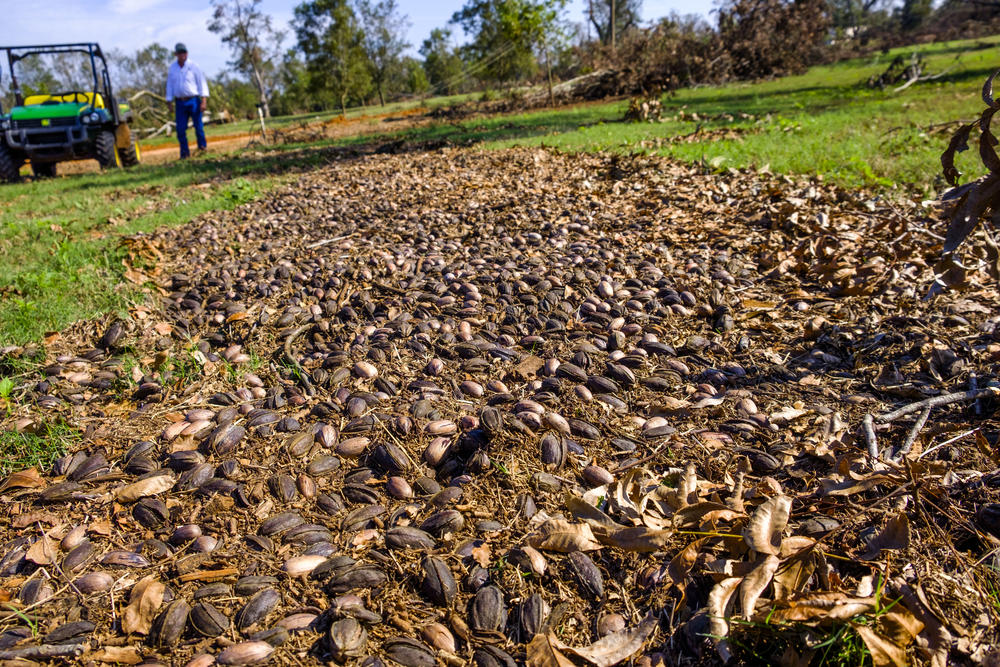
(45, 129)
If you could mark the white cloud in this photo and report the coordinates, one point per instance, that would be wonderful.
(133, 6)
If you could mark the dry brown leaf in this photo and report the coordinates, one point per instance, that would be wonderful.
(719, 602)
(884, 652)
(144, 487)
(144, 601)
(900, 625)
(26, 479)
(640, 539)
(894, 535)
(617, 646)
(116, 655)
(584, 511)
(43, 551)
(763, 534)
(560, 535)
(543, 653)
(536, 559)
(823, 606)
(756, 582)
(681, 564)
(793, 575)
(482, 554)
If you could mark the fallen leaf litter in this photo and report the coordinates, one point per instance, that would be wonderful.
(452, 407)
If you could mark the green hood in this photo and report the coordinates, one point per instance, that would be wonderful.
(39, 111)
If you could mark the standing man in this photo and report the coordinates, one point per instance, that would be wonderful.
(188, 89)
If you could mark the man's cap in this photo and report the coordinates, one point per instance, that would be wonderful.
(180, 48)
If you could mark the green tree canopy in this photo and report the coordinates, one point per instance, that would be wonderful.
(442, 63)
(383, 28)
(332, 43)
(505, 35)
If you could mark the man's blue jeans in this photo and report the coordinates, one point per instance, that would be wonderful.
(184, 110)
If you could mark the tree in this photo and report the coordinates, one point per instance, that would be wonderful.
(442, 64)
(413, 78)
(332, 44)
(506, 33)
(252, 40)
(913, 13)
(383, 42)
(146, 69)
(626, 15)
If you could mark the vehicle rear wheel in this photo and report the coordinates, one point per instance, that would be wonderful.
(44, 169)
(130, 156)
(107, 154)
(10, 167)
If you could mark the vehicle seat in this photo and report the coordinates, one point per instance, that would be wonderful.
(94, 99)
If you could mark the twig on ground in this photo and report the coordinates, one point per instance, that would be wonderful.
(43, 652)
(290, 358)
(324, 242)
(868, 428)
(911, 437)
(938, 401)
(946, 443)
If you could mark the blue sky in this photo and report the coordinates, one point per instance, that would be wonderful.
(131, 24)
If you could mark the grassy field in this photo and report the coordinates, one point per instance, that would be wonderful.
(825, 121)
(61, 237)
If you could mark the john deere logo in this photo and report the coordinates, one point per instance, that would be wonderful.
(46, 122)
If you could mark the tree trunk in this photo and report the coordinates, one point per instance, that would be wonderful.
(378, 87)
(343, 105)
(612, 26)
(258, 81)
(548, 72)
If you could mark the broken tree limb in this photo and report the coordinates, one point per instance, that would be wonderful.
(938, 401)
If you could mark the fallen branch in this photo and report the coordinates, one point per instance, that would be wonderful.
(938, 401)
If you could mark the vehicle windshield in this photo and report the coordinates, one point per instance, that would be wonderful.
(49, 73)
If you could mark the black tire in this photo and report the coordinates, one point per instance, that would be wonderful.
(10, 168)
(107, 154)
(129, 156)
(44, 169)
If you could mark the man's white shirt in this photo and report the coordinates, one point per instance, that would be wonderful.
(187, 81)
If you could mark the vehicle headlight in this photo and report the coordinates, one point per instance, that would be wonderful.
(4, 124)
(95, 117)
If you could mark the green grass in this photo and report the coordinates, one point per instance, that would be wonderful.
(825, 122)
(286, 122)
(61, 238)
(39, 449)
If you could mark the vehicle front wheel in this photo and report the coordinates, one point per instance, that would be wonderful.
(130, 156)
(107, 154)
(10, 167)
(44, 169)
